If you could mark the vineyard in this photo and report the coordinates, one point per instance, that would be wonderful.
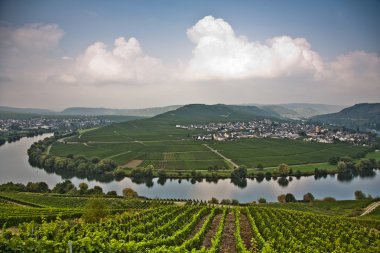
(198, 228)
(18, 207)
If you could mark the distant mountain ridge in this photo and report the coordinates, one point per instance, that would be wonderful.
(294, 111)
(26, 110)
(146, 112)
(90, 111)
(298, 111)
(362, 116)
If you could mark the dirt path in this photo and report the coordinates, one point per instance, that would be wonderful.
(228, 243)
(245, 231)
(370, 208)
(198, 227)
(113, 156)
(212, 231)
(222, 156)
(48, 149)
(133, 164)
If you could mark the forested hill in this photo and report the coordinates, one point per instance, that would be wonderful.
(198, 113)
(363, 116)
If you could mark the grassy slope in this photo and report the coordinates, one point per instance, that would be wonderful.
(272, 152)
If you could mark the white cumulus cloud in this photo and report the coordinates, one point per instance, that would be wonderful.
(357, 68)
(125, 62)
(220, 54)
(27, 52)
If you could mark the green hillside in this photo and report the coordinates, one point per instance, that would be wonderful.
(363, 116)
(198, 113)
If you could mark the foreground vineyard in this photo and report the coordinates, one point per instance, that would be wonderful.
(198, 228)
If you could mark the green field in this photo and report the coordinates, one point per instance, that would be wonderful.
(164, 146)
(374, 155)
(272, 152)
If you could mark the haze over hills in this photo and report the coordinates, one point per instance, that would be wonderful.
(286, 111)
(301, 110)
(145, 112)
(90, 111)
(363, 116)
(26, 110)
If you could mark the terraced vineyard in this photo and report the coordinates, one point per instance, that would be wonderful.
(199, 228)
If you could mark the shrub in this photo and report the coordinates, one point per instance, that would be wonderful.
(95, 210)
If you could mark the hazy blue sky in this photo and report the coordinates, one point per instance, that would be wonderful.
(151, 53)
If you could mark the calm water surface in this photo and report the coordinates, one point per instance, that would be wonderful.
(14, 166)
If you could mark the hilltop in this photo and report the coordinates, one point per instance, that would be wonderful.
(362, 116)
(198, 113)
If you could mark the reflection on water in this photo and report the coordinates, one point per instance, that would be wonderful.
(14, 167)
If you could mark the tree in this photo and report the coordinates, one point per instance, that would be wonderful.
(148, 171)
(359, 195)
(119, 173)
(346, 159)
(112, 193)
(37, 187)
(225, 202)
(262, 200)
(129, 193)
(290, 198)
(97, 190)
(64, 187)
(83, 188)
(95, 160)
(342, 167)
(213, 200)
(95, 210)
(239, 173)
(329, 199)
(283, 169)
(235, 202)
(308, 197)
(162, 174)
(260, 166)
(334, 160)
(283, 181)
(281, 198)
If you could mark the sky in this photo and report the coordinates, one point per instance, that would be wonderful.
(137, 54)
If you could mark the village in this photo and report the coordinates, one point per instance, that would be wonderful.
(273, 129)
(51, 124)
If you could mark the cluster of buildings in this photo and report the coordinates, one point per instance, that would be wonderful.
(53, 124)
(273, 129)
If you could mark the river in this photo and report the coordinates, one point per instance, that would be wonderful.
(14, 166)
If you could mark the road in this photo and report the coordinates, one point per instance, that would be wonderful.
(370, 208)
(222, 156)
